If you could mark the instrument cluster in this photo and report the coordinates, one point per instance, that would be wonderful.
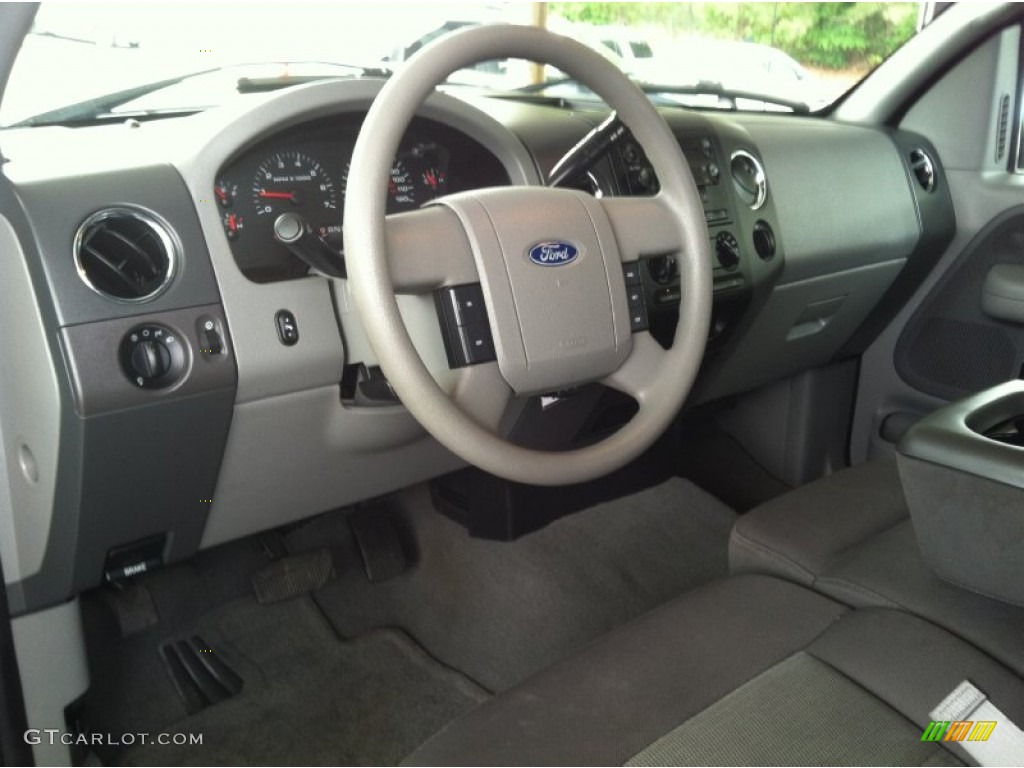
(297, 181)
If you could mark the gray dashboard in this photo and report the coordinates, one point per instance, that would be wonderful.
(144, 452)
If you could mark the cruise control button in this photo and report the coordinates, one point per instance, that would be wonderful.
(634, 296)
(466, 303)
(637, 319)
(476, 343)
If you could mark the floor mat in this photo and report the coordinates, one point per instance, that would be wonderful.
(310, 698)
(502, 611)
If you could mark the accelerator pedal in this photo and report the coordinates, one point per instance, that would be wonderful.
(379, 544)
(292, 575)
(200, 676)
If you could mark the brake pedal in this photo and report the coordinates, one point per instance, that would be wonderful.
(291, 576)
(132, 606)
(379, 544)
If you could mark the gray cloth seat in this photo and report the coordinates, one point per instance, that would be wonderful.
(748, 670)
(849, 536)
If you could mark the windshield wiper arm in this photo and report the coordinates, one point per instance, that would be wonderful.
(101, 108)
(703, 88)
(91, 109)
(711, 88)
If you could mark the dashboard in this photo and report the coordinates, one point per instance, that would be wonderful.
(202, 382)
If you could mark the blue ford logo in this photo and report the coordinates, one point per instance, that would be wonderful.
(553, 253)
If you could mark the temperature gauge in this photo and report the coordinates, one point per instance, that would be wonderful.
(233, 225)
(434, 181)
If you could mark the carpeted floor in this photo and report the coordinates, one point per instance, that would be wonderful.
(502, 611)
(360, 674)
(310, 698)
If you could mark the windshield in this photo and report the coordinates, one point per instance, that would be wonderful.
(82, 62)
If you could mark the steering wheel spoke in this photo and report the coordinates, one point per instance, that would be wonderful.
(643, 226)
(428, 249)
(636, 376)
(483, 394)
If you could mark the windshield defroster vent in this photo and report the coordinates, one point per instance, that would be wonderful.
(126, 254)
(923, 166)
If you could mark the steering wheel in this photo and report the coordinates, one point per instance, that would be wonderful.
(553, 327)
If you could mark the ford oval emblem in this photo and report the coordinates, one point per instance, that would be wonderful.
(554, 253)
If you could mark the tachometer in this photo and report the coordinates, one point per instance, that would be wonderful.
(293, 181)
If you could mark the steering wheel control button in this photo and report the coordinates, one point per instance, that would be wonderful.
(475, 343)
(464, 304)
(152, 357)
(464, 325)
(287, 328)
(631, 271)
(634, 296)
(638, 319)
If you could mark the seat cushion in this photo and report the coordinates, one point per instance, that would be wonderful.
(849, 536)
(801, 533)
(704, 678)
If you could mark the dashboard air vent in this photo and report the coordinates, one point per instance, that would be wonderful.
(126, 254)
(1002, 126)
(923, 166)
(748, 179)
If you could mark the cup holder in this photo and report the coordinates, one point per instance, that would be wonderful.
(1010, 432)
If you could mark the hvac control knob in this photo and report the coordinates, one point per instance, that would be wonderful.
(727, 249)
(153, 356)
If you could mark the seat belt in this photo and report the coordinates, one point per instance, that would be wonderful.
(967, 717)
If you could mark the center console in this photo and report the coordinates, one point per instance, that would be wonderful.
(962, 470)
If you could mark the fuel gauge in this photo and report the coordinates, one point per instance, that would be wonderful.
(225, 191)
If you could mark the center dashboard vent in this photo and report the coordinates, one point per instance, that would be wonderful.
(748, 179)
(923, 166)
(126, 254)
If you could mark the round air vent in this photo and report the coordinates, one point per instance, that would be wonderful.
(923, 167)
(126, 254)
(748, 179)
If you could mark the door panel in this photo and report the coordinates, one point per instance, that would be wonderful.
(942, 345)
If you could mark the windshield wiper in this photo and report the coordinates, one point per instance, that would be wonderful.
(101, 106)
(102, 109)
(732, 95)
(703, 88)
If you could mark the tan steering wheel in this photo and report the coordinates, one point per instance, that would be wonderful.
(553, 327)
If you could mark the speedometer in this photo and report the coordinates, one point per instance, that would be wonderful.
(402, 187)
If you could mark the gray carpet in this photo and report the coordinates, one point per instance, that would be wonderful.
(501, 611)
(310, 698)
